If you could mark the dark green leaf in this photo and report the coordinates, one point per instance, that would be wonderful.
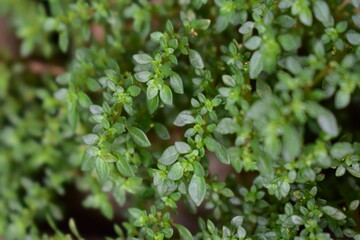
(353, 37)
(195, 59)
(327, 122)
(64, 40)
(256, 65)
(291, 143)
(176, 83)
(182, 147)
(197, 189)
(143, 76)
(176, 172)
(333, 212)
(123, 166)
(341, 149)
(138, 136)
(246, 27)
(184, 233)
(226, 126)
(184, 118)
(322, 12)
(166, 95)
(90, 139)
(88, 162)
(169, 156)
(253, 43)
(142, 58)
(161, 131)
(152, 92)
(102, 169)
(228, 80)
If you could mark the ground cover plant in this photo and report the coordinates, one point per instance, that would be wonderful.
(201, 119)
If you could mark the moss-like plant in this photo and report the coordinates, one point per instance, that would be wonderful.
(244, 112)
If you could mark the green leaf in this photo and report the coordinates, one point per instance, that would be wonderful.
(228, 80)
(173, 43)
(306, 16)
(291, 143)
(161, 131)
(340, 171)
(217, 148)
(152, 91)
(166, 95)
(184, 233)
(212, 144)
(102, 169)
(297, 220)
(64, 41)
(88, 162)
(202, 24)
(353, 37)
(222, 155)
(176, 83)
(327, 122)
(136, 213)
(73, 116)
(84, 100)
(247, 27)
(184, 118)
(169, 156)
(64, 78)
(293, 65)
(195, 59)
(263, 90)
(176, 172)
(90, 139)
(182, 147)
(74, 229)
(96, 109)
(235, 158)
(333, 212)
(168, 232)
(198, 169)
(356, 19)
(143, 76)
(133, 90)
(341, 149)
(197, 189)
(156, 36)
(138, 136)
(226, 126)
(264, 163)
(237, 221)
(286, 21)
(169, 26)
(354, 170)
(354, 205)
(123, 166)
(253, 43)
(152, 104)
(284, 188)
(322, 13)
(272, 145)
(342, 99)
(289, 42)
(356, 3)
(256, 65)
(241, 232)
(221, 23)
(142, 58)
(92, 84)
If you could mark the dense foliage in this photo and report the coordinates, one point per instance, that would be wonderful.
(242, 113)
